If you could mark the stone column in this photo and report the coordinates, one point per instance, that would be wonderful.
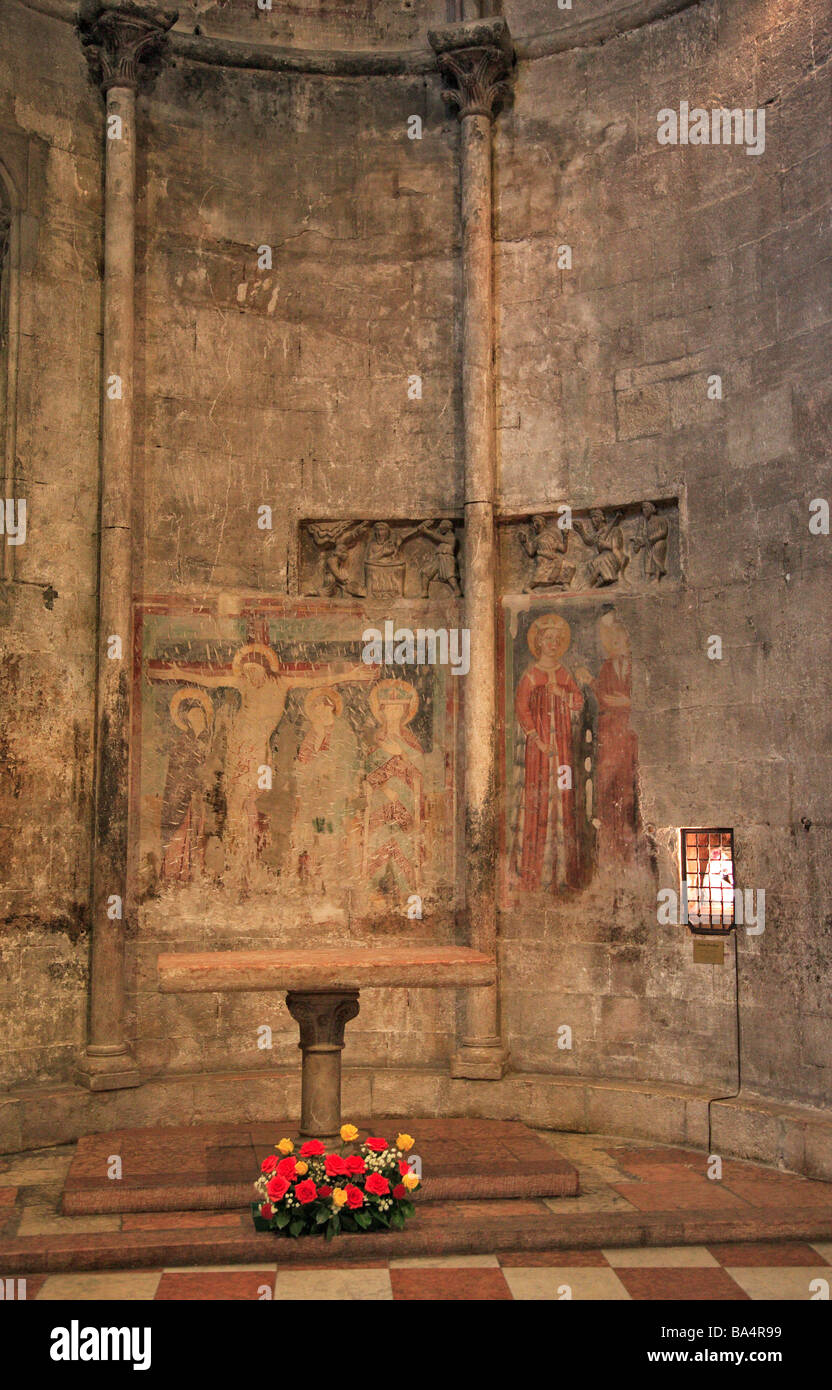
(475, 58)
(321, 1018)
(124, 37)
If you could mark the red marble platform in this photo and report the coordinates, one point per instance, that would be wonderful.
(213, 1167)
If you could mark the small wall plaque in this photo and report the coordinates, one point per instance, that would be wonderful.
(708, 952)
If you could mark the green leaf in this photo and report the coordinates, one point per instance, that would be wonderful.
(296, 1226)
(322, 1215)
(397, 1221)
(282, 1219)
(364, 1219)
(407, 1209)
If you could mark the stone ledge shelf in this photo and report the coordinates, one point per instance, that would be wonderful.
(322, 996)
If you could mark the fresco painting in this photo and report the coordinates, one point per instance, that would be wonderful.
(273, 760)
(570, 753)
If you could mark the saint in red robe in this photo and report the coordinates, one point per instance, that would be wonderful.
(617, 756)
(545, 852)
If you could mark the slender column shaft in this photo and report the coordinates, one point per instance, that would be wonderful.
(476, 57)
(109, 866)
(123, 38)
(479, 556)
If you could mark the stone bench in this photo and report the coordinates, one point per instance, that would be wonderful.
(322, 987)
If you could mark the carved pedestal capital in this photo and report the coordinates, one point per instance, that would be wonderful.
(124, 36)
(475, 59)
(322, 1018)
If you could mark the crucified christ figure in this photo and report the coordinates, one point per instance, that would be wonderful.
(263, 685)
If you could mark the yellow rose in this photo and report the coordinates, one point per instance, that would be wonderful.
(410, 1181)
(339, 1196)
(285, 1146)
(301, 1168)
(349, 1133)
(405, 1142)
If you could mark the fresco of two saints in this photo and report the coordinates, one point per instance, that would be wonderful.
(289, 765)
(571, 756)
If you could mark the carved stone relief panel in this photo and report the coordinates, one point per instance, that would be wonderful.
(630, 547)
(383, 560)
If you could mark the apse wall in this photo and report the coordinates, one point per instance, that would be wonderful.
(288, 386)
(50, 149)
(686, 262)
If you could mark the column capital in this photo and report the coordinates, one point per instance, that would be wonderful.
(124, 35)
(475, 58)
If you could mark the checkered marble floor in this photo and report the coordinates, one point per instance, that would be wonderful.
(789, 1270)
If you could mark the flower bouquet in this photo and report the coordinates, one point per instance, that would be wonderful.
(362, 1186)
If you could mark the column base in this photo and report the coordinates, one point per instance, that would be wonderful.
(480, 1061)
(108, 1072)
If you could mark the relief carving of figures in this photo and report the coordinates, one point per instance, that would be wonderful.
(338, 542)
(546, 544)
(600, 543)
(652, 538)
(380, 569)
(441, 566)
(383, 565)
(606, 538)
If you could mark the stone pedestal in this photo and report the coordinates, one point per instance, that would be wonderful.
(321, 1018)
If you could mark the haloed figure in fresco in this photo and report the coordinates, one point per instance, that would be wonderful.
(393, 793)
(546, 850)
(617, 743)
(185, 812)
(322, 798)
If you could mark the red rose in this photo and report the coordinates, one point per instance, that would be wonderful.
(355, 1165)
(399, 1191)
(306, 1192)
(286, 1168)
(335, 1166)
(378, 1185)
(355, 1197)
(269, 1164)
(266, 1211)
(324, 1190)
(377, 1145)
(404, 1168)
(277, 1187)
(312, 1148)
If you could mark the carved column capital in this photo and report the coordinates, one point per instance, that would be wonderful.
(475, 59)
(322, 1018)
(124, 36)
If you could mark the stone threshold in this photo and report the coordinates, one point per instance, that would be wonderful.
(440, 1229)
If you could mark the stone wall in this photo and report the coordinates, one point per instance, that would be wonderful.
(287, 385)
(50, 152)
(685, 262)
